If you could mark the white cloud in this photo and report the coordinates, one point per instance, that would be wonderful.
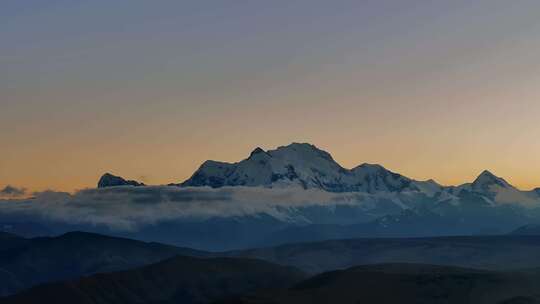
(127, 208)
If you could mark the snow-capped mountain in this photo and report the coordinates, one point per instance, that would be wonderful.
(487, 180)
(302, 186)
(379, 190)
(494, 190)
(306, 166)
(297, 164)
(293, 193)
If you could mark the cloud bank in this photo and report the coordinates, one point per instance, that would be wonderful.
(127, 208)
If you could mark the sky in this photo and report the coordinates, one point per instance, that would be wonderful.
(150, 89)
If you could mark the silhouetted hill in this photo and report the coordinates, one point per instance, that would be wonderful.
(27, 262)
(177, 280)
(483, 252)
(9, 240)
(109, 180)
(406, 283)
(527, 230)
(26, 229)
(7, 235)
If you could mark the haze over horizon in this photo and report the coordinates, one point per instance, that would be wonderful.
(428, 89)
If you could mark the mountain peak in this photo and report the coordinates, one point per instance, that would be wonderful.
(486, 179)
(297, 145)
(257, 150)
(297, 164)
(304, 165)
(304, 150)
(376, 178)
(110, 180)
(370, 167)
(487, 173)
(302, 144)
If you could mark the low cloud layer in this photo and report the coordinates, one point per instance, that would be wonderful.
(127, 208)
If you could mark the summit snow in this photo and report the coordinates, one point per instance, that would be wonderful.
(304, 166)
(301, 165)
(308, 167)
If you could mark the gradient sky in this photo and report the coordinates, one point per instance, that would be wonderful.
(150, 89)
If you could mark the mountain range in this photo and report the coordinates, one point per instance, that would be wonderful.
(295, 193)
(25, 262)
(262, 226)
(89, 268)
(179, 279)
(405, 283)
(376, 201)
(245, 281)
(498, 253)
(305, 166)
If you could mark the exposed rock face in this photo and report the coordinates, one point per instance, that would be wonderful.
(109, 180)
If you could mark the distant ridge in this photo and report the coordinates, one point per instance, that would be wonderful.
(308, 196)
(180, 279)
(306, 166)
(109, 180)
(405, 283)
(33, 261)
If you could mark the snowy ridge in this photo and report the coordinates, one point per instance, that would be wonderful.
(294, 186)
(304, 165)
